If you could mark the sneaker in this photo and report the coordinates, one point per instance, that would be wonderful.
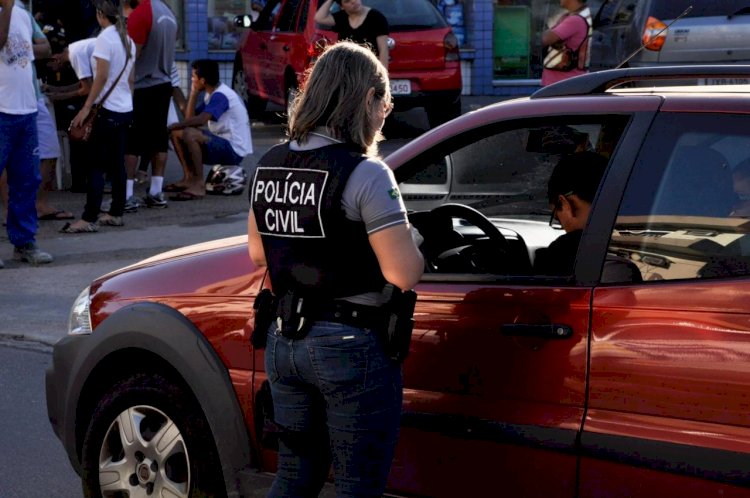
(155, 201)
(132, 204)
(30, 253)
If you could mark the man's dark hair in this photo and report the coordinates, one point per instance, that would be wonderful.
(208, 70)
(579, 174)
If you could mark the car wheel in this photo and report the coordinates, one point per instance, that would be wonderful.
(438, 114)
(147, 437)
(255, 105)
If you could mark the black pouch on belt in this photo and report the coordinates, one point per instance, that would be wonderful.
(265, 312)
(397, 334)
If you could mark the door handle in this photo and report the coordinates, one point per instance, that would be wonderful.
(541, 330)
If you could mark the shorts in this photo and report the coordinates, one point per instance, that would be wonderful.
(219, 151)
(49, 144)
(148, 134)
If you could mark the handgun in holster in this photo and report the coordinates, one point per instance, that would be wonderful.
(399, 306)
(265, 312)
(292, 314)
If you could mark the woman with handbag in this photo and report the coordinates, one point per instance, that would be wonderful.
(108, 111)
(567, 43)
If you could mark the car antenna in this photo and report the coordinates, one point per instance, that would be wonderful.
(643, 45)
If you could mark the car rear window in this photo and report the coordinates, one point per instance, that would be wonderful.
(407, 15)
(673, 8)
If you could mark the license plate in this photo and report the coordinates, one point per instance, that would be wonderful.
(400, 87)
(724, 81)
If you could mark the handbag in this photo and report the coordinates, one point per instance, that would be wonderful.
(560, 57)
(82, 132)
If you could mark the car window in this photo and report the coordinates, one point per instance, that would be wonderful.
(267, 15)
(673, 8)
(615, 13)
(501, 173)
(286, 17)
(683, 215)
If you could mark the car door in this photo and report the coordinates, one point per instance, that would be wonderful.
(668, 399)
(255, 55)
(496, 376)
(282, 46)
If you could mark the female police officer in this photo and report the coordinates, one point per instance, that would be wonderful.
(328, 221)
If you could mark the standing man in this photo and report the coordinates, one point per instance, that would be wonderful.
(153, 28)
(19, 145)
(227, 140)
(570, 36)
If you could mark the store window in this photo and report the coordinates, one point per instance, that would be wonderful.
(222, 33)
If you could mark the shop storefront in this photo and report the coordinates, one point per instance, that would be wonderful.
(500, 39)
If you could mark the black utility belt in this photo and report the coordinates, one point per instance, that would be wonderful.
(355, 315)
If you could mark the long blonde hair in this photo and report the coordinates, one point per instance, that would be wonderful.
(112, 10)
(335, 96)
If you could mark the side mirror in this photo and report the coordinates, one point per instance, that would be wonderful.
(244, 21)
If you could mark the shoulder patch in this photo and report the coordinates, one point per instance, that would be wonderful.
(394, 193)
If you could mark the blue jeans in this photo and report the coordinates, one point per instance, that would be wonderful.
(338, 398)
(19, 156)
(108, 154)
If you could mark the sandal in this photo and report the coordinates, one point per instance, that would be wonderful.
(173, 187)
(185, 196)
(57, 215)
(111, 221)
(88, 228)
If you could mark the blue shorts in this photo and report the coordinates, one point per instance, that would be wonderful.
(219, 151)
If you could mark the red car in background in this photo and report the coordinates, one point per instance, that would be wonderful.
(424, 66)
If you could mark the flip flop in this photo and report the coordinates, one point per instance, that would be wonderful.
(185, 196)
(174, 188)
(57, 215)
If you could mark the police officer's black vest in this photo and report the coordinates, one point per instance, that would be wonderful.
(310, 246)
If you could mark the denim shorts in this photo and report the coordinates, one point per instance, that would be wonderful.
(219, 151)
(339, 398)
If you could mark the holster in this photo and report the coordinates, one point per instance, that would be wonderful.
(396, 336)
(265, 312)
(294, 315)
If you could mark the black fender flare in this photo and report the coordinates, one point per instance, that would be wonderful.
(162, 331)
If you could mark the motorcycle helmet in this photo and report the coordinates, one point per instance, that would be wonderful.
(226, 180)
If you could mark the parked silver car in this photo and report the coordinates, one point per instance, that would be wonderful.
(712, 32)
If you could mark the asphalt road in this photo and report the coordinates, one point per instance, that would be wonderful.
(32, 461)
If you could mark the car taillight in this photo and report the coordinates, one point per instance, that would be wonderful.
(654, 34)
(450, 42)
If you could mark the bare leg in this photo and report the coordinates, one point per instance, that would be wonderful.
(193, 140)
(43, 208)
(177, 138)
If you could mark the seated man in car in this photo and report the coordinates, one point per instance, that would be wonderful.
(570, 190)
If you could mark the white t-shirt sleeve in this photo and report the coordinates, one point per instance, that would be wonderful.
(79, 54)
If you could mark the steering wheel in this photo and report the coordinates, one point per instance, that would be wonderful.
(468, 252)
